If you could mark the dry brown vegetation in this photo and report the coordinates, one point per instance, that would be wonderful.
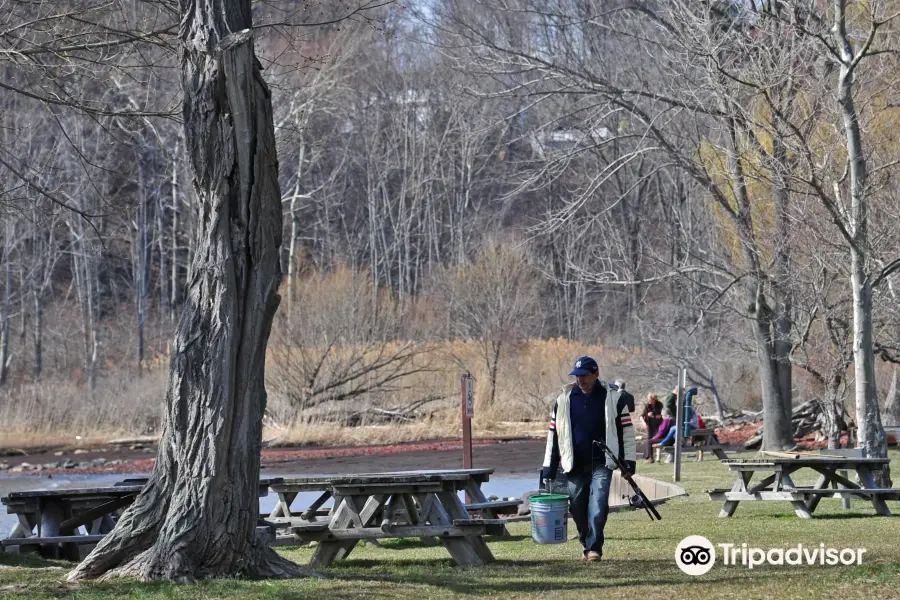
(370, 384)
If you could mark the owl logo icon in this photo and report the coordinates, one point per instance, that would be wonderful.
(695, 555)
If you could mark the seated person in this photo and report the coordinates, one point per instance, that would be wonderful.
(664, 427)
(689, 421)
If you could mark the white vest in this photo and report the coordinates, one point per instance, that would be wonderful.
(563, 427)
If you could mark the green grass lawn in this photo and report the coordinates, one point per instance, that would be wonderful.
(638, 559)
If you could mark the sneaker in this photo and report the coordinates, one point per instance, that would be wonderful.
(593, 556)
(583, 557)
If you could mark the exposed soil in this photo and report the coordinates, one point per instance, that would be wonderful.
(508, 457)
(517, 457)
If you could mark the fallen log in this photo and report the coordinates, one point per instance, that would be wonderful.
(807, 418)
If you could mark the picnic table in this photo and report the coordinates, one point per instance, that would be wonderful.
(62, 523)
(407, 504)
(777, 483)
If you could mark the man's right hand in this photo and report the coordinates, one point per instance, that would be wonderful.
(548, 476)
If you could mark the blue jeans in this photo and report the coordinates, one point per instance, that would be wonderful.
(670, 437)
(589, 504)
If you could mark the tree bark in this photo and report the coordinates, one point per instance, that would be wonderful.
(717, 400)
(173, 288)
(197, 515)
(161, 246)
(783, 320)
(832, 415)
(5, 308)
(40, 266)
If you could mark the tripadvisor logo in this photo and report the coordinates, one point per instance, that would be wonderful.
(696, 555)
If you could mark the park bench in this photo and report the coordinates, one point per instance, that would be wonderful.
(457, 528)
(700, 440)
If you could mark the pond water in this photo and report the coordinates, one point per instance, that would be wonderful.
(503, 487)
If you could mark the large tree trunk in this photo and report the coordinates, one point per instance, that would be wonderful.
(783, 320)
(197, 515)
(832, 415)
(871, 433)
(777, 434)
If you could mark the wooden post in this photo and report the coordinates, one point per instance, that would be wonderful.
(679, 422)
(468, 411)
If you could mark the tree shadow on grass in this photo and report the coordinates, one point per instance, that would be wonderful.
(827, 516)
(844, 516)
(31, 560)
(533, 576)
(502, 539)
(407, 543)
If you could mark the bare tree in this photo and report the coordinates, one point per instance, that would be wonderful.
(350, 352)
(84, 251)
(563, 53)
(492, 299)
(6, 301)
(197, 515)
(854, 224)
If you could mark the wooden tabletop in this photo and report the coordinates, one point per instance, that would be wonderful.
(122, 490)
(805, 460)
(132, 485)
(142, 479)
(424, 476)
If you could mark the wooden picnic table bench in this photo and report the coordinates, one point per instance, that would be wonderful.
(52, 520)
(371, 506)
(288, 491)
(64, 523)
(777, 483)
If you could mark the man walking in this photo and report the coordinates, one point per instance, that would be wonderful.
(588, 410)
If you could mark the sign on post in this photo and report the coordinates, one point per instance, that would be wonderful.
(468, 411)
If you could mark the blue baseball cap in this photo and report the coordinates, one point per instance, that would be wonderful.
(584, 366)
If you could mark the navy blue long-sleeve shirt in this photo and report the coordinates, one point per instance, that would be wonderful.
(588, 415)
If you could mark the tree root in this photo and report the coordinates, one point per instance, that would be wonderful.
(144, 548)
(157, 564)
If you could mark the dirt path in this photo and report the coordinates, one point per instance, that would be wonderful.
(508, 457)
